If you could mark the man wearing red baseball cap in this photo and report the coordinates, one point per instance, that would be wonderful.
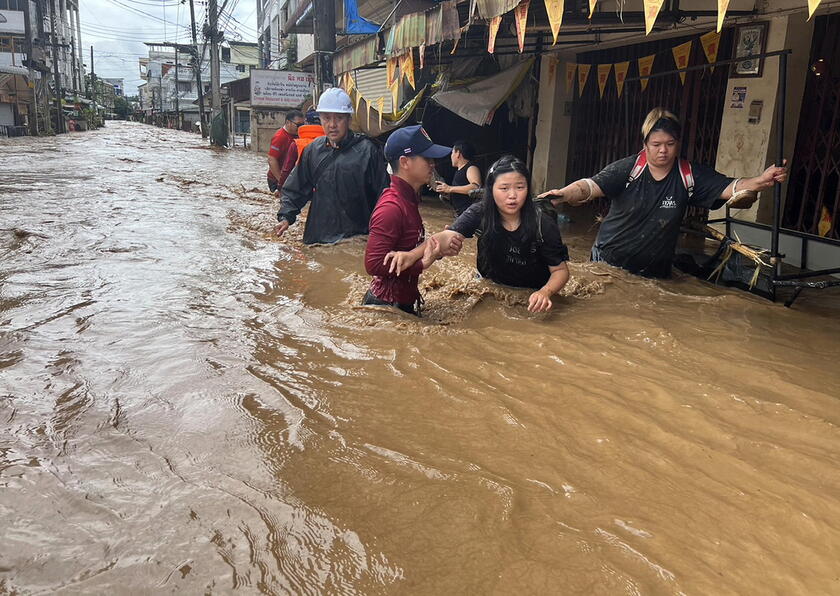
(396, 253)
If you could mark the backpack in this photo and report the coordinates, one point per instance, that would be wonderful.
(686, 175)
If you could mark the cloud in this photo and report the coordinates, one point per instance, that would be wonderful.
(117, 29)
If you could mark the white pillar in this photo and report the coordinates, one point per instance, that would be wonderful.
(553, 126)
(80, 50)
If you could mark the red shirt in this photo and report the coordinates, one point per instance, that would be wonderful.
(395, 224)
(280, 143)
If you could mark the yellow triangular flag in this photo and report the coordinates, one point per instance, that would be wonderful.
(723, 5)
(645, 66)
(603, 75)
(571, 69)
(652, 8)
(711, 44)
(521, 14)
(592, 4)
(824, 225)
(812, 8)
(422, 50)
(681, 55)
(367, 108)
(583, 74)
(380, 106)
(391, 69)
(494, 29)
(351, 84)
(358, 99)
(554, 8)
(407, 66)
(621, 69)
(395, 96)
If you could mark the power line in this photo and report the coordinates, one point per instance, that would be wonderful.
(140, 12)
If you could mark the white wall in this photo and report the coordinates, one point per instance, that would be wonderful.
(14, 22)
(7, 115)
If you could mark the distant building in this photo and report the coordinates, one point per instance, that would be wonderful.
(118, 84)
(27, 85)
(170, 83)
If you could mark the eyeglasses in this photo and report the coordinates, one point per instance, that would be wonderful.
(298, 124)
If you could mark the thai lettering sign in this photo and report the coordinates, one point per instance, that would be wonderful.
(280, 88)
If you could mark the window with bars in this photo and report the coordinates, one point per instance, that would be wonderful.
(12, 4)
(604, 129)
(813, 196)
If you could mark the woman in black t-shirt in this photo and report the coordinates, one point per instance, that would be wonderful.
(518, 245)
(467, 177)
(649, 194)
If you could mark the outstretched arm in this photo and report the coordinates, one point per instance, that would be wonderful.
(575, 194)
(295, 194)
(442, 244)
(770, 176)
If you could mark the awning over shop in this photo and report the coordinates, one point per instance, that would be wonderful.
(356, 56)
(14, 70)
(477, 102)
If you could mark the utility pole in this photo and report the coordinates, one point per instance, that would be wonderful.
(92, 90)
(33, 105)
(75, 67)
(59, 118)
(215, 91)
(177, 91)
(197, 66)
(323, 25)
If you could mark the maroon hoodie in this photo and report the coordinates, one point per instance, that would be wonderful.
(395, 224)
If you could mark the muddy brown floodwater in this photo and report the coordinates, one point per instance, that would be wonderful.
(187, 405)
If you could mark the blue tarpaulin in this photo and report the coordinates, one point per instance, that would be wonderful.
(356, 24)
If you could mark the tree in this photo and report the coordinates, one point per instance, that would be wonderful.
(122, 107)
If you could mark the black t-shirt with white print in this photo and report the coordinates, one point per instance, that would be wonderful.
(641, 230)
(514, 260)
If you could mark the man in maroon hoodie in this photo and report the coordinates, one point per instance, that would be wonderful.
(396, 253)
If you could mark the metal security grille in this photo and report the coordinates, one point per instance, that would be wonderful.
(604, 130)
(814, 187)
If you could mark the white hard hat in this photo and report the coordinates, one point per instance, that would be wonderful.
(336, 101)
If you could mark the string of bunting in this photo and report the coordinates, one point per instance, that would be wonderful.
(710, 42)
(554, 10)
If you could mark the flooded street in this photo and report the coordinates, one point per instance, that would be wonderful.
(189, 405)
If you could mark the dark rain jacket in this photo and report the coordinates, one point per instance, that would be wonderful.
(343, 185)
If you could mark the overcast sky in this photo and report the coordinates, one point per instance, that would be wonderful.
(117, 29)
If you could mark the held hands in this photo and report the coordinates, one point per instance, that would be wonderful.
(432, 252)
(450, 243)
(398, 261)
(539, 301)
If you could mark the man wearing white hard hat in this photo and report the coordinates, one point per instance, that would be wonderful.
(342, 173)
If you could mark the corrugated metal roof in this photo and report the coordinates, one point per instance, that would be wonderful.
(373, 83)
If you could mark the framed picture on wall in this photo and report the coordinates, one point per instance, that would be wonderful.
(750, 40)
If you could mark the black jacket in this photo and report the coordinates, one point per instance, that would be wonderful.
(349, 182)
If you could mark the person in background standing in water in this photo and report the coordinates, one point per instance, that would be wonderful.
(518, 244)
(281, 144)
(342, 173)
(306, 134)
(467, 177)
(396, 228)
(649, 194)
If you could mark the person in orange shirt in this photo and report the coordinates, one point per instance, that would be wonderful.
(306, 134)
